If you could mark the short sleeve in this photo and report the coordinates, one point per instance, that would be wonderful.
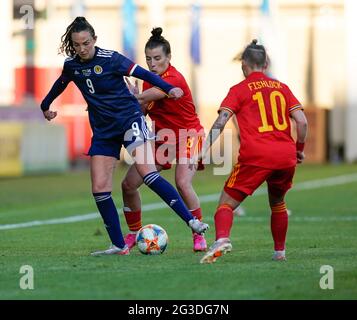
(230, 102)
(293, 103)
(173, 80)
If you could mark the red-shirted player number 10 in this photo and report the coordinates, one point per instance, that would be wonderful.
(274, 95)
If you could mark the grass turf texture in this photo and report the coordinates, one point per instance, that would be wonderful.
(322, 231)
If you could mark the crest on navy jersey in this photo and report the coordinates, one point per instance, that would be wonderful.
(87, 72)
(98, 69)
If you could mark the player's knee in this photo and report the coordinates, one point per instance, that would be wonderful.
(276, 196)
(96, 188)
(127, 186)
(101, 186)
(275, 199)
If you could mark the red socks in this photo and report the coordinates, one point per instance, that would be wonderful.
(197, 213)
(223, 220)
(279, 225)
(133, 219)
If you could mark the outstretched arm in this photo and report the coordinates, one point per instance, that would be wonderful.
(156, 81)
(216, 130)
(301, 131)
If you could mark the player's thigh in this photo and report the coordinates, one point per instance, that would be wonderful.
(144, 159)
(137, 140)
(132, 179)
(279, 182)
(184, 174)
(187, 147)
(165, 153)
(102, 169)
(226, 199)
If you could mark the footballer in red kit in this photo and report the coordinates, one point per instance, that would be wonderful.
(263, 107)
(165, 111)
(266, 140)
(176, 122)
(263, 145)
(179, 136)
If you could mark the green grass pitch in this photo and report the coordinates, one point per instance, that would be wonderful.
(322, 231)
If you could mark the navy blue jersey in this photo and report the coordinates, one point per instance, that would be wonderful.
(111, 106)
(101, 83)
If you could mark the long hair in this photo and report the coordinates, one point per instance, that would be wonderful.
(79, 24)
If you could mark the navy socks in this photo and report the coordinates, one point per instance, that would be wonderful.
(169, 194)
(110, 217)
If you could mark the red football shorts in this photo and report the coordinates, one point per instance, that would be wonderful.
(246, 179)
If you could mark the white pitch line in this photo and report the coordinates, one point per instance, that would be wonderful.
(301, 186)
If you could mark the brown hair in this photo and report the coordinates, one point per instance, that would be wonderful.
(79, 24)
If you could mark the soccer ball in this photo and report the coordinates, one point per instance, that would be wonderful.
(152, 239)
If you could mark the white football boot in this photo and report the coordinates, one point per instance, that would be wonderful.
(218, 249)
(198, 226)
(112, 250)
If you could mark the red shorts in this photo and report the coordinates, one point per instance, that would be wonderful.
(246, 179)
(183, 150)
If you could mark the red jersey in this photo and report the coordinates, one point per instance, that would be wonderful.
(262, 106)
(170, 113)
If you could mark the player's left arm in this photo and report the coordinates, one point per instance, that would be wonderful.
(301, 131)
(297, 114)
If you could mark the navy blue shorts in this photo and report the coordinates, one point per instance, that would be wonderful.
(135, 135)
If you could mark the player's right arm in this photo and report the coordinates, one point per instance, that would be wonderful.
(127, 67)
(301, 132)
(58, 87)
(156, 81)
(224, 115)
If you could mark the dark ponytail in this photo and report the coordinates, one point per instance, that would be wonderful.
(79, 24)
(158, 40)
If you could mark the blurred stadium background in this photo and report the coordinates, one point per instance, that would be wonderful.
(310, 43)
(312, 48)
